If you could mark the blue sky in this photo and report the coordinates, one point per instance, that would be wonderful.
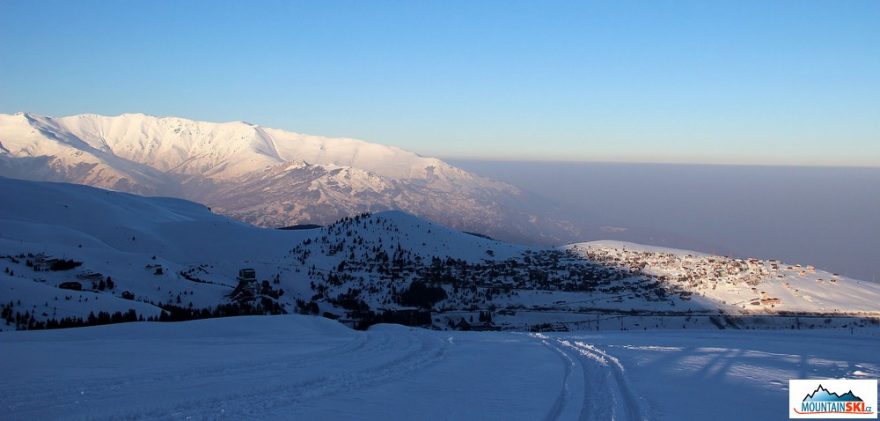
(750, 82)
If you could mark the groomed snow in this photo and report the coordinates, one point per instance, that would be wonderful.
(300, 367)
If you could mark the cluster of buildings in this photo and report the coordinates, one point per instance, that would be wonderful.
(697, 272)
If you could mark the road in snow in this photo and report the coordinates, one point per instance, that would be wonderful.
(298, 367)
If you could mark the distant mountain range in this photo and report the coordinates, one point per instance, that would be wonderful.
(266, 176)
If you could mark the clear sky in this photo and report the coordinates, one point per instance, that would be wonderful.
(779, 82)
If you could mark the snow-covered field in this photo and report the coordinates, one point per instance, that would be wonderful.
(301, 367)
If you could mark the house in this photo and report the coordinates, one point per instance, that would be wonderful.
(247, 289)
(43, 263)
(157, 269)
(247, 275)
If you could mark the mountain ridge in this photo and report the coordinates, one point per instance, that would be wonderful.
(266, 176)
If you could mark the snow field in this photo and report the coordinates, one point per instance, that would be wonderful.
(300, 367)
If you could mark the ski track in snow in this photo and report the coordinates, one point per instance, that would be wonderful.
(593, 384)
(565, 393)
(281, 384)
(607, 393)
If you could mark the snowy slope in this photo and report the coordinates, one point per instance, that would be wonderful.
(125, 237)
(63, 217)
(168, 251)
(374, 258)
(164, 252)
(264, 176)
(38, 148)
(394, 230)
(297, 367)
(742, 285)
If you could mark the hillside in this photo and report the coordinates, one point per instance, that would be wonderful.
(266, 176)
(749, 284)
(67, 251)
(139, 245)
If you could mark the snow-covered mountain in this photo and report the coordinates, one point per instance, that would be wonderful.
(265, 176)
(68, 250)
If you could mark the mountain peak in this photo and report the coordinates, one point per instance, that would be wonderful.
(260, 175)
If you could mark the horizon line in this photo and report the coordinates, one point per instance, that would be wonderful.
(648, 162)
(548, 160)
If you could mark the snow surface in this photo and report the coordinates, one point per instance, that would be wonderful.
(301, 367)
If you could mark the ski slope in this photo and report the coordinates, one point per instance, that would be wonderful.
(301, 367)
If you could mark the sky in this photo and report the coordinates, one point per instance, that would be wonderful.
(737, 82)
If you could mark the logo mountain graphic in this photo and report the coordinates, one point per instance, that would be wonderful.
(822, 394)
